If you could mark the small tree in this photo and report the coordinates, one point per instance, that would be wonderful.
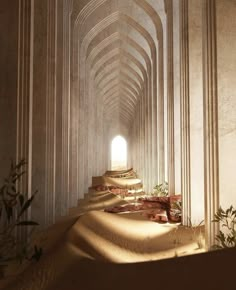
(13, 208)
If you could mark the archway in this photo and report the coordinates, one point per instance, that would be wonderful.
(118, 153)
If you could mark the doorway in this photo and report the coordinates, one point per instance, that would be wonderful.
(119, 153)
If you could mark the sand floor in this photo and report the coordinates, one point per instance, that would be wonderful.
(90, 237)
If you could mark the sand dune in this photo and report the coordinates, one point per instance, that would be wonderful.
(117, 172)
(121, 182)
(89, 235)
(97, 201)
(127, 238)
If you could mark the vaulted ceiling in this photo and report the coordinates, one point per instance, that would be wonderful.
(118, 53)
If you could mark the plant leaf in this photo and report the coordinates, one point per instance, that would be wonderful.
(27, 204)
(18, 176)
(8, 210)
(21, 199)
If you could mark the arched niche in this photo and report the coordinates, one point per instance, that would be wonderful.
(119, 153)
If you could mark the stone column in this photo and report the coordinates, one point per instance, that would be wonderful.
(58, 109)
(44, 110)
(177, 125)
(40, 99)
(25, 91)
(9, 77)
(153, 123)
(51, 102)
(142, 152)
(74, 110)
(154, 127)
(160, 115)
(139, 128)
(149, 129)
(210, 120)
(196, 111)
(170, 98)
(185, 112)
(25, 99)
(66, 106)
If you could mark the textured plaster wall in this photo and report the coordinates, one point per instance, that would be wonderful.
(226, 60)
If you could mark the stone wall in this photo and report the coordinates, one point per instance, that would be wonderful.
(226, 70)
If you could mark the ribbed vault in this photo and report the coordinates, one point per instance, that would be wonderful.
(118, 76)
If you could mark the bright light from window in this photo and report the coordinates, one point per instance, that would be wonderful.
(118, 153)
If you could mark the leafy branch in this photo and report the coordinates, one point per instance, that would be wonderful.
(13, 214)
(161, 189)
(227, 235)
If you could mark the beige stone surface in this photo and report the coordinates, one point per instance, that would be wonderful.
(226, 56)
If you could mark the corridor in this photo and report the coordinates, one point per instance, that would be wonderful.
(159, 74)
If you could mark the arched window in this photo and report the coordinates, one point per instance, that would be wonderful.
(118, 153)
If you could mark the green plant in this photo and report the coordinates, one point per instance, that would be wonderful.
(177, 205)
(175, 211)
(227, 235)
(13, 216)
(161, 189)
